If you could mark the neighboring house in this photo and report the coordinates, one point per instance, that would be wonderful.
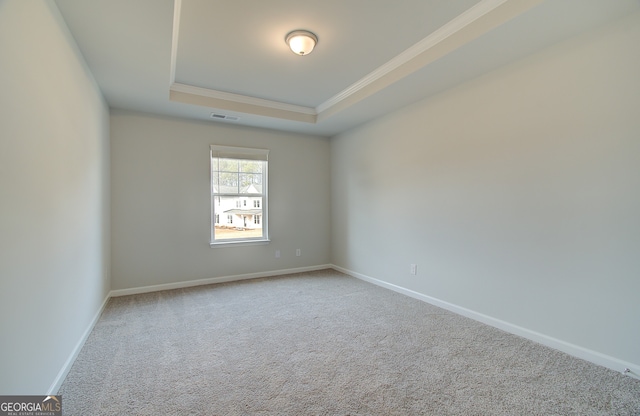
(238, 211)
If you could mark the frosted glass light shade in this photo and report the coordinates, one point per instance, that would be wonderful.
(301, 42)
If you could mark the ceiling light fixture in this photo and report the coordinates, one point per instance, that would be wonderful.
(301, 42)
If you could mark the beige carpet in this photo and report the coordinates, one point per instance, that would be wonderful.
(322, 343)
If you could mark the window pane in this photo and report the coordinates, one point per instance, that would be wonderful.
(229, 165)
(239, 198)
(250, 183)
(236, 218)
(229, 179)
(239, 174)
(251, 166)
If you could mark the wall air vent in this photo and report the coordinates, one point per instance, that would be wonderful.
(217, 116)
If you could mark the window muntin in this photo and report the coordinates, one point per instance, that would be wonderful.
(238, 194)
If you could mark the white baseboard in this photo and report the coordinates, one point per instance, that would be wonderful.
(568, 348)
(571, 349)
(201, 282)
(57, 383)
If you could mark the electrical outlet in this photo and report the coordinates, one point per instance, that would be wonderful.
(277, 254)
(298, 252)
(413, 269)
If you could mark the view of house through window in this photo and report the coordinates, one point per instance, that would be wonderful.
(238, 194)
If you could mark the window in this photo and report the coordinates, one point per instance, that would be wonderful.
(238, 174)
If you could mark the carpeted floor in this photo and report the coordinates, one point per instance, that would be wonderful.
(322, 343)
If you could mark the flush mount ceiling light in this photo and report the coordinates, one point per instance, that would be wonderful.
(301, 42)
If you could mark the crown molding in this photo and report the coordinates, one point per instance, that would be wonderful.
(243, 99)
(190, 94)
(458, 23)
(177, 6)
(474, 22)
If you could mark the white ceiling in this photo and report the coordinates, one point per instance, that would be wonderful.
(191, 58)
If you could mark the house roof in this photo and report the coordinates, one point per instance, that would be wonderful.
(238, 211)
(223, 189)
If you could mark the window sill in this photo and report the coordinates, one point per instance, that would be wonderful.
(220, 244)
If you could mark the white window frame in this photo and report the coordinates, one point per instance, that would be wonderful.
(242, 153)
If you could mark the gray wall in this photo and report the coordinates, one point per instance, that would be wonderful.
(517, 194)
(161, 201)
(54, 197)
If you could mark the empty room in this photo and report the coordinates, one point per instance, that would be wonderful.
(356, 207)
